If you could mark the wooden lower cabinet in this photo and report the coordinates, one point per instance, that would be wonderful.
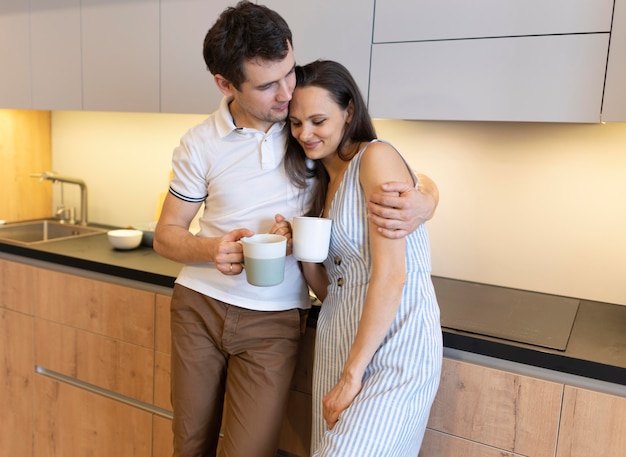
(442, 444)
(295, 436)
(71, 421)
(116, 339)
(16, 383)
(506, 411)
(79, 372)
(592, 424)
(162, 444)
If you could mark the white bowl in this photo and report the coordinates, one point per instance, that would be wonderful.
(125, 239)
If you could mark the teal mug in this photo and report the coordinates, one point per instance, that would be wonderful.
(264, 259)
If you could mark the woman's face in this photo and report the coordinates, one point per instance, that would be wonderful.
(316, 121)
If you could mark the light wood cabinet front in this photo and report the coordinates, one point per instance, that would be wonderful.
(437, 444)
(513, 413)
(111, 310)
(162, 444)
(592, 424)
(112, 364)
(74, 422)
(15, 286)
(16, 383)
(25, 148)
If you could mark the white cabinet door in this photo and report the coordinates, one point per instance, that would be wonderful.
(414, 20)
(614, 105)
(14, 55)
(56, 54)
(186, 84)
(120, 55)
(546, 79)
(331, 29)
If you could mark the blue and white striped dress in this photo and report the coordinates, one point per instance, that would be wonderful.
(388, 417)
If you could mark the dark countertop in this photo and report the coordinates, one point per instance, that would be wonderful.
(596, 348)
(94, 253)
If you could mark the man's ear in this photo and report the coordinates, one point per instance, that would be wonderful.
(224, 85)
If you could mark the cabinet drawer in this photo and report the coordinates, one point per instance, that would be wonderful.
(74, 422)
(510, 412)
(437, 444)
(416, 20)
(114, 365)
(119, 312)
(592, 423)
(542, 79)
(15, 291)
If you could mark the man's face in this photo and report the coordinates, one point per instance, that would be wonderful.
(264, 96)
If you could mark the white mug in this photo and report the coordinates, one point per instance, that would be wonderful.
(264, 259)
(311, 238)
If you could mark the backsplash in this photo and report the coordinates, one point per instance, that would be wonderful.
(525, 205)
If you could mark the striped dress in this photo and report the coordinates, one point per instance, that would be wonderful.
(388, 417)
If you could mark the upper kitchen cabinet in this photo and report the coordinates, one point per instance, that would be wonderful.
(542, 79)
(120, 55)
(14, 54)
(56, 54)
(186, 84)
(418, 20)
(490, 61)
(333, 30)
(614, 106)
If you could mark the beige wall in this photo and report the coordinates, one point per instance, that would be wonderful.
(532, 206)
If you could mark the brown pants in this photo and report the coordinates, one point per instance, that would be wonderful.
(231, 370)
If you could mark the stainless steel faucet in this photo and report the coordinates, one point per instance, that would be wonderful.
(54, 177)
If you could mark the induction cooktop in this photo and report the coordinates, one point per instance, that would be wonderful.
(511, 314)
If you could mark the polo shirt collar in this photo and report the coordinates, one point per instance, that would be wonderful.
(225, 124)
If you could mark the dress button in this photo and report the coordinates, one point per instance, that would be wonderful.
(340, 282)
(338, 260)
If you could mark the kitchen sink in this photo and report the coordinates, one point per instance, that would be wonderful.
(42, 231)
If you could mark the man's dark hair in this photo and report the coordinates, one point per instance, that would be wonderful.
(244, 32)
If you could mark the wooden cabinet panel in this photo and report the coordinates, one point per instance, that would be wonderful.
(541, 78)
(15, 286)
(437, 444)
(162, 357)
(295, 434)
(402, 20)
(162, 437)
(163, 334)
(111, 364)
(614, 104)
(16, 383)
(497, 408)
(74, 422)
(592, 424)
(303, 375)
(25, 148)
(111, 310)
(162, 386)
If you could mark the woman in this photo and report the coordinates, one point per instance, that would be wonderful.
(378, 351)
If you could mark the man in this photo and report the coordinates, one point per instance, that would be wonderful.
(234, 346)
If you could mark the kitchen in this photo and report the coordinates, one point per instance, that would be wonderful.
(535, 206)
